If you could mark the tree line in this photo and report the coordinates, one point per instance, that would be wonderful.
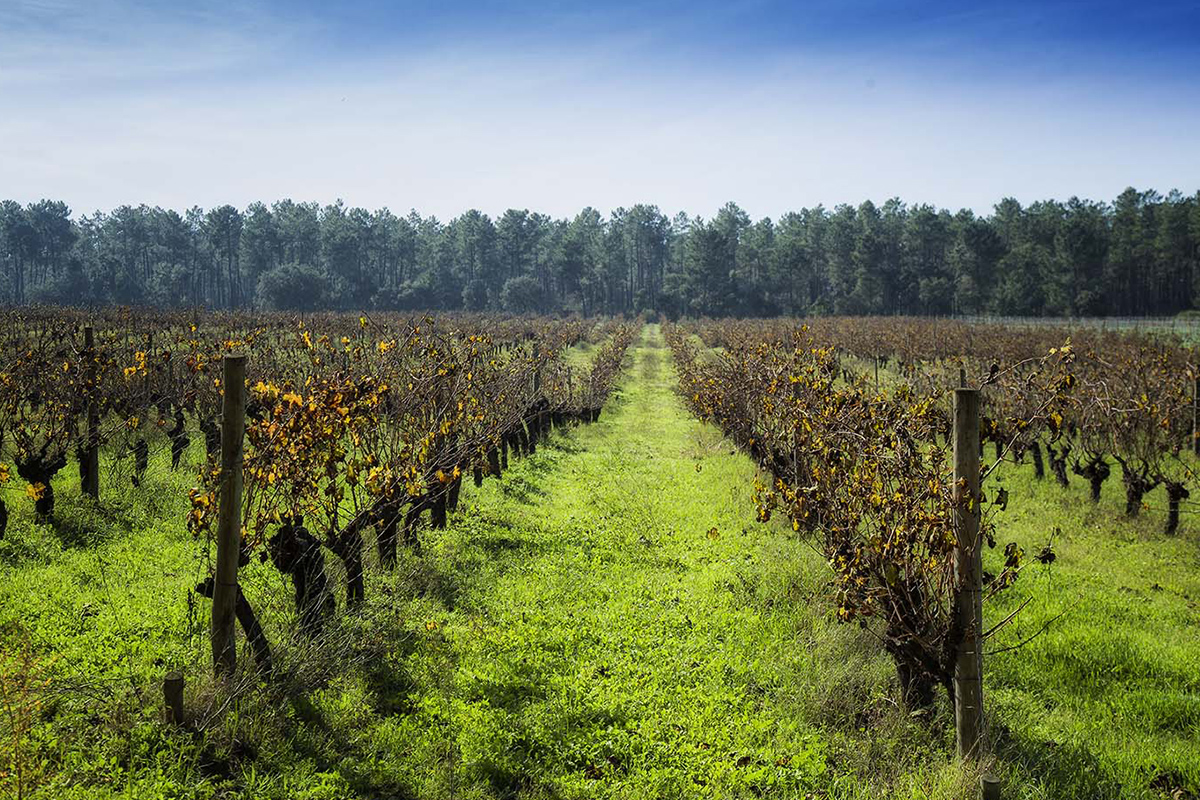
(1139, 255)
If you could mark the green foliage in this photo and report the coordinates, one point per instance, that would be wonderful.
(406, 297)
(69, 289)
(522, 295)
(293, 287)
(475, 295)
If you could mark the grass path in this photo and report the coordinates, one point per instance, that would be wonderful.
(610, 621)
(603, 632)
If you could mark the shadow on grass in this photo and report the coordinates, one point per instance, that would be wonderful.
(564, 442)
(81, 523)
(329, 752)
(1063, 770)
(438, 580)
(79, 532)
(508, 773)
(498, 545)
(521, 489)
(390, 685)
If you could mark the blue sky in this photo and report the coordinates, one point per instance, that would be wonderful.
(446, 106)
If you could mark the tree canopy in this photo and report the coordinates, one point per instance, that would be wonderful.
(1138, 255)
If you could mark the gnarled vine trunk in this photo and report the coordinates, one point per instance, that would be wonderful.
(1096, 472)
(41, 469)
(260, 646)
(179, 438)
(141, 460)
(297, 553)
(1137, 484)
(1039, 467)
(1058, 463)
(347, 545)
(1176, 492)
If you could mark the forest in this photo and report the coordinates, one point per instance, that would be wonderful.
(1138, 255)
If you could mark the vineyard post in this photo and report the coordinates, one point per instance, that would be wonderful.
(173, 694)
(91, 453)
(537, 369)
(229, 527)
(968, 667)
(990, 785)
(1196, 415)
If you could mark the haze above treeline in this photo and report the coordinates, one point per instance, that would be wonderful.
(1136, 255)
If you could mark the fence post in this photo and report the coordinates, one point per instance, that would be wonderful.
(229, 521)
(968, 666)
(91, 453)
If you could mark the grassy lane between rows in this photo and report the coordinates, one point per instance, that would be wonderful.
(612, 622)
(1103, 697)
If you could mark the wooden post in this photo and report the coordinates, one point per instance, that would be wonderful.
(990, 786)
(877, 373)
(968, 666)
(537, 369)
(229, 521)
(1196, 415)
(91, 452)
(173, 694)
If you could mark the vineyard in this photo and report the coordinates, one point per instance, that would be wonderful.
(468, 555)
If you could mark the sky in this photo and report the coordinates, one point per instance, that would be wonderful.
(445, 106)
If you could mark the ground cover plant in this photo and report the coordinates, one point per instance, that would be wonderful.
(472, 582)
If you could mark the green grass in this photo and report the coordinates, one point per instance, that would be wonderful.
(607, 621)
(1105, 702)
(580, 355)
